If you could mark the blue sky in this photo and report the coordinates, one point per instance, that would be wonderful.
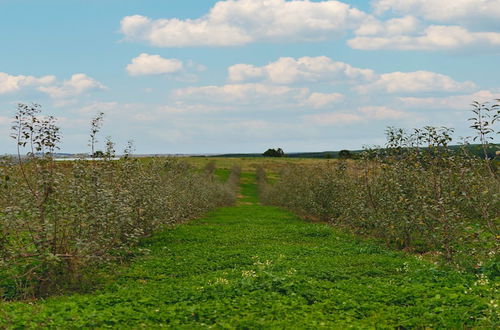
(190, 76)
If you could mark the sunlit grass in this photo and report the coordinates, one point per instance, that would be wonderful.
(254, 266)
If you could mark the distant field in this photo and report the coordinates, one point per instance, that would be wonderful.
(473, 149)
(250, 164)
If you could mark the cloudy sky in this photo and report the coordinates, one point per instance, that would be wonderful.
(191, 76)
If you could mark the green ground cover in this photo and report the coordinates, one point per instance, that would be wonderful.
(222, 174)
(253, 266)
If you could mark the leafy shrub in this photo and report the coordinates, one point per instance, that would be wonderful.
(345, 154)
(415, 194)
(58, 220)
(234, 177)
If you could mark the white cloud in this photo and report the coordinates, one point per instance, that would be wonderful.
(242, 94)
(4, 120)
(471, 24)
(94, 107)
(434, 37)
(78, 84)
(233, 95)
(287, 70)
(241, 22)
(382, 112)
(415, 82)
(10, 83)
(362, 114)
(320, 100)
(178, 33)
(475, 12)
(333, 118)
(391, 27)
(134, 26)
(245, 72)
(458, 102)
(146, 64)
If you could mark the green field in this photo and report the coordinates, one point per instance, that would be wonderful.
(253, 266)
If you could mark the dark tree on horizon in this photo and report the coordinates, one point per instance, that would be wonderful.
(345, 154)
(274, 153)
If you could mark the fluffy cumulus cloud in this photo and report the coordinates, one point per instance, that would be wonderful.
(146, 64)
(10, 83)
(252, 94)
(472, 12)
(320, 100)
(310, 70)
(415, 82)
(287, 70)
(431, 25)
(391, 27)
(419, 25)
(78, 84)
(241, 22)
(434, 37)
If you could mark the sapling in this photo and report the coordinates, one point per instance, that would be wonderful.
(95, 127)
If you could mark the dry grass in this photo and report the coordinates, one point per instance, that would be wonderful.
(250, 164)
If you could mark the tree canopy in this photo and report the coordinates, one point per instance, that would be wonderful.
(274, 153)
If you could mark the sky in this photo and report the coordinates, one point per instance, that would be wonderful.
(191, 76)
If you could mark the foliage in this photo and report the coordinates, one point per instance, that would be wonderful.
(210, 168)
(98, 154)
(61, 220)
(253, 266)
(345, 154)
(234, 177)
(95, 127)
(415, 194)
(274, 153)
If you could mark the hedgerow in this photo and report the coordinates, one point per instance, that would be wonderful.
(61, 220)
(415, 194)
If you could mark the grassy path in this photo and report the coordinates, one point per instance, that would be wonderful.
(252, 266)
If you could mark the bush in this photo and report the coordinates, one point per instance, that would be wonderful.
(416, 194)
(60, 220)
(345, 154)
